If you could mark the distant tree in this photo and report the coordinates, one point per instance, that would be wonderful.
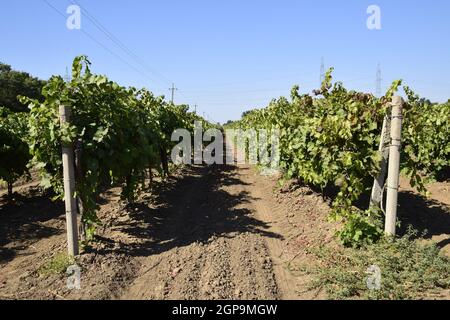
(14, 151)
(228, 122)
(245, 113)
(14, 83)
(425, 101)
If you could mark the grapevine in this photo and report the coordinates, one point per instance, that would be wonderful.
(330, 140)
(118, 134)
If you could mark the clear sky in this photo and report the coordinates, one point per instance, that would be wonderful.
(228, 56)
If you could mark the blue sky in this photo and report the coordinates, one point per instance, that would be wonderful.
(231, 56)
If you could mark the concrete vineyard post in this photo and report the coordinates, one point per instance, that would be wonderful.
(378, 184)
(69, 189)
(394, 166)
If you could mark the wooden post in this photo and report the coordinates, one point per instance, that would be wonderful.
(394, 166)
(378, 184)
(69, 189)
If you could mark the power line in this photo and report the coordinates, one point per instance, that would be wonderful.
(276, 77)
(99, 43)
(122, 46)
(303, 84)
(119, 43)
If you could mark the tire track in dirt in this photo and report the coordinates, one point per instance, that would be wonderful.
(292, 284)
(265, 210)
(217, 248)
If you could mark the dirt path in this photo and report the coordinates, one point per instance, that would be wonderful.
(214, 243)
(199, 237)
(217, 232)
(227, 236)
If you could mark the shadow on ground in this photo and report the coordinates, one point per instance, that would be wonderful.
(22, 220)
(427, 216)
(193, 208)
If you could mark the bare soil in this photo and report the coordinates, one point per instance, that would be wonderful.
(217, 232)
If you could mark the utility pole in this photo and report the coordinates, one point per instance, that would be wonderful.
(322, 72)
(173, 89)
(378, 92)
(67, 77)
(195, 109)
